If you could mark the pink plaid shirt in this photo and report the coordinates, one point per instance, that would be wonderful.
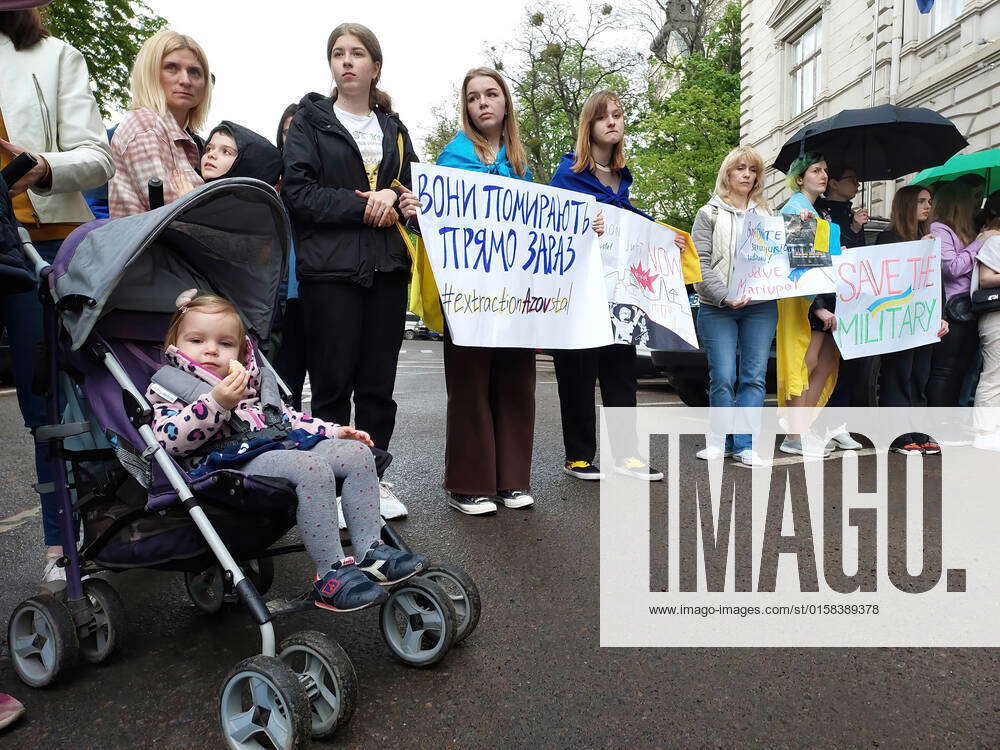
(146, 145)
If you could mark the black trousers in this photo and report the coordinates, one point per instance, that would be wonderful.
(290, 361)
(951, 361)
(577, 371)
(903, 380)
(354, 335)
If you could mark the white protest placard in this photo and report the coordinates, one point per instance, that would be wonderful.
(644, 281)
(516, 263)
(888, 297)
(760, 268)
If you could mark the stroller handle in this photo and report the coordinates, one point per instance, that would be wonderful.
(29, 249)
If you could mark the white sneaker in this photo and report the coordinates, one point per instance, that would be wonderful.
(515, 499)
(340, 515)
(987, 442)
(845, 442)
(390, 505)
(810, 448)
(712, 453)
(750, 457)
(473, 505)
(53, 575)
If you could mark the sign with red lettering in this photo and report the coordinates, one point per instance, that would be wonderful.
(888, 297)
(645, 282)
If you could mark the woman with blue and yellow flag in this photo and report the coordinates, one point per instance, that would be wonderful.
(598, 168)
(491, 391)
(807, 353)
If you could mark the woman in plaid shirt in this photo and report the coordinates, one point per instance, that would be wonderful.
(171, 95)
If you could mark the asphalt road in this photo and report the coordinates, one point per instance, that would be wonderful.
(531, 676)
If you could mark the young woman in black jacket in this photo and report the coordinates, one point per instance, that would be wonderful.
(347, 160)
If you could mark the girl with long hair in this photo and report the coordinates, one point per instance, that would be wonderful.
(347, 167)
(598, 168)
(491, 391)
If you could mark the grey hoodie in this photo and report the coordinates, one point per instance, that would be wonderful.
(715, 232)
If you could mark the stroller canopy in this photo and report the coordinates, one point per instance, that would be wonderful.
(230, 237)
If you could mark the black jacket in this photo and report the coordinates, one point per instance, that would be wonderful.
(16, 275)
(323, 168)
(841, 214)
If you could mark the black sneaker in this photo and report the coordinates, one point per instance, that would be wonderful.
(582, 470)
(639, 469)
(473, 505)
(346, 589)
(387, 565)
(515, 499)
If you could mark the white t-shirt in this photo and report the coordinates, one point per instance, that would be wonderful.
(367, 133)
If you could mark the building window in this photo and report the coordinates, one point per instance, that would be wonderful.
(805, 70)
(944, 13)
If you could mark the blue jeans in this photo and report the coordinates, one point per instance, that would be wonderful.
(21, 316)
(737, 343)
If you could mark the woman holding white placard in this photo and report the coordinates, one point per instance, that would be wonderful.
(491, 391)
(736, 334)
(598, 168)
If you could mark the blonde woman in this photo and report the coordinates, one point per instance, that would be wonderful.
(735, 333)
(171, 96)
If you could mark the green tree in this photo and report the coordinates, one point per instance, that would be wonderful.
(108, 33)
(444, 125)
(684, 136)
(554, 66)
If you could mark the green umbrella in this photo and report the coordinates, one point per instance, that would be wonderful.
(986, 164)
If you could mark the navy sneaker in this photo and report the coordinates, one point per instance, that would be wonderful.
(345, 588)
(387, 565)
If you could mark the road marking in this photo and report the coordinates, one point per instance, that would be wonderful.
(402, 351)
(18, 519)
(7, 391)
(426, 351)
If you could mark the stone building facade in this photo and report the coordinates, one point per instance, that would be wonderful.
(804, 60)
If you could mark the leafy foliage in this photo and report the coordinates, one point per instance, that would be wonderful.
(683, 115)
(108, 33)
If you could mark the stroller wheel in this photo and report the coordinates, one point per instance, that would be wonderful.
(109, 624)
(462, 591)
(264, 705)
(327, 674)
(418, 622)
(42, 639)
(206, 589)
(260, 571)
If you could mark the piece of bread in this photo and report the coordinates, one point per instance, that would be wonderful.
(236, 366)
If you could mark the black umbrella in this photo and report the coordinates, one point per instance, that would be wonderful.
(880, 143)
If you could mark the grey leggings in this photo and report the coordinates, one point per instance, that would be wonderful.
(314, 473)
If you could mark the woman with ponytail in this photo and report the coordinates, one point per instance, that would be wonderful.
(347, 169)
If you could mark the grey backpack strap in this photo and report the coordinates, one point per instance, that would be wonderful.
(171, 381)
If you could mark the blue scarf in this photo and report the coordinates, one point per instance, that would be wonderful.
(587, 182)
(461, 154)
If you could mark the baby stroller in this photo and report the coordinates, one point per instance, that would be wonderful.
(108, 298)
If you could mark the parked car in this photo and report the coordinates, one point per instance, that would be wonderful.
(687, 371)
(411, 326)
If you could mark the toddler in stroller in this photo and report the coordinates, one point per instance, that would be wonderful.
(208, 412)
(108, 299)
